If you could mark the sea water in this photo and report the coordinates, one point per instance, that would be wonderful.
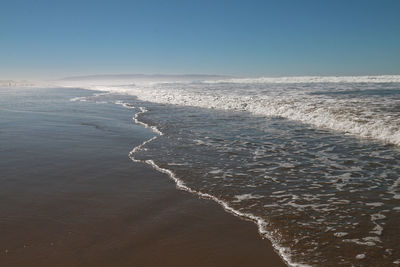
(314, 161)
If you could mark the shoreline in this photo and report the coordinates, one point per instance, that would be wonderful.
(180, 185)
(78, 200)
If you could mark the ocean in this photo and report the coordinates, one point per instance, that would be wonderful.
(313, 161)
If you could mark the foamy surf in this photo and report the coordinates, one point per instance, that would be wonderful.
(364, 106)
(261, 223)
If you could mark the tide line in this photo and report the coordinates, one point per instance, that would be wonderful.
(283, 252)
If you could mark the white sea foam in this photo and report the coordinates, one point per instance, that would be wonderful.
(360, 256)
(359, 242)
(126, 105)
(284, 252)
(304, 99)
(81, 98)
(215, 171)
(340, 234)
(374, 204)
(153, 128)
(378, 228)
(395, 189)
(240, 198)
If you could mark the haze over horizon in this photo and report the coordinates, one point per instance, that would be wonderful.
(48, 40)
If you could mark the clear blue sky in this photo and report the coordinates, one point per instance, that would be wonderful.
(270, 38)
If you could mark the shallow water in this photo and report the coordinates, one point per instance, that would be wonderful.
(71, 196)
(317, 167)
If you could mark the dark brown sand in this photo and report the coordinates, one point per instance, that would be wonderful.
(70, 196)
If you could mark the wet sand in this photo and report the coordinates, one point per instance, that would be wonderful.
(70, 196)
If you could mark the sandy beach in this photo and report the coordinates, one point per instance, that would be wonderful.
(71, 196)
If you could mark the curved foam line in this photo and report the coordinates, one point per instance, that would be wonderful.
(125, 105)
(153, 128)
(283, 252)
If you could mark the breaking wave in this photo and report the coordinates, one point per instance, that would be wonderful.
(363, 106)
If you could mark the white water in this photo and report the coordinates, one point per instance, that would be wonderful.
(284, 252)
(349, 104)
